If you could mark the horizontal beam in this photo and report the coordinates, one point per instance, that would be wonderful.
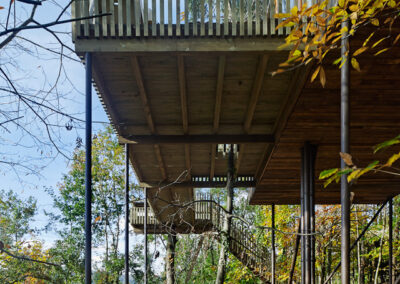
(196, 139)
(199, 184)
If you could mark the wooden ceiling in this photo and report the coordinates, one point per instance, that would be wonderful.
(213, 96)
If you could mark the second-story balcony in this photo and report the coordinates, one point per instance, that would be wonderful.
(209, 20)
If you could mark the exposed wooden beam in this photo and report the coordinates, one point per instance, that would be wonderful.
(217, 109)
(296, 86)
(255, 94)
(197, 139)
(146, 106)
(184, 108)
(200, 184)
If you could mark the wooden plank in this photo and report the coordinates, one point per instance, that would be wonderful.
(120, 19)
(212, 162)
(219, 91)
(258, 23)
(255, 92)
(198, 184)
(112, 18)
(161, 164)
(186, 17)
(218, 18)
(234, 18)
(182, 91)
(153, 17)
(226, 17)
(128, 18)
(96, 20)
(187, 161)
(86, 14)
(249, 18)
(210, 18)
(162, 20)
(145, 18)
(197, 139)
(137, 17)
(241, 11)
(202, 18)
(170, 18)
(178, 17)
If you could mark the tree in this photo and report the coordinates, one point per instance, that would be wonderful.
(108, 211)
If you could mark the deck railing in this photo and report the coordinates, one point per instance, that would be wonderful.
(137, 216)
(179, 18)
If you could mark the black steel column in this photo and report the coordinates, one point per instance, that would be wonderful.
(273, 244)
(88, 170)
(312, 154)
(391, 241)
(302, 220)
(344, 141)
(145, 237)
(126, 214)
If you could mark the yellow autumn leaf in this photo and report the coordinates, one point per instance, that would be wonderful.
(353, 175)
(381, 51)
(375, 22)
(98, 218)
(360, 50)
(322, 77)
(355, 64)
(396, 39)
(315, 74)
(368, 38)
(392, 159)
(294, 11)
(378, 42)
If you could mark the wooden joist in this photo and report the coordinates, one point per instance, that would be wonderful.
(197, 139)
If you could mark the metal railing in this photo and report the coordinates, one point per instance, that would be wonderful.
(179, 18)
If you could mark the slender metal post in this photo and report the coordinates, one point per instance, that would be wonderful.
(312, 155)
(88, 171)
(145, 237)
(126, 214)
(344, 141)
(296, 248)
(273, 244)
(302, 220)
(307, 215)
(391, 241)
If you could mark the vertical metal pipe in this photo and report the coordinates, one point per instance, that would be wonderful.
(273, 244)
(88, 170)
(391, 241)
(307, 216)
(302, 220)
(145, 237)
(126, 214)
(344, 141)
(312, 154)
(296, 248)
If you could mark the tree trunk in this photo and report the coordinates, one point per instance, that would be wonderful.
(170, 259)
(194, 259)
(223, 256)
(380, 251)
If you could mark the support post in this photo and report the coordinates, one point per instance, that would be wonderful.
(296, 248)
(88, 170)
(225, 239)
(391, 241)
(145, 237)
(344, 141)
(312, 155)
(273, 244)
(302, 221)
(126, 214)
(170, 259)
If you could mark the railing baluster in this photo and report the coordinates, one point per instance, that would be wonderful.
(218, 18)
(112, 18)
(154, 18)
(162, 21)
(241, 11)
(234, 18)
(210, 18)
(280, 5)
(288, 11)
(202, 19)
(169, 17)
(128, 17)
(86, 14)
(194, 13)
(178, 17)
(74, 24)
(120, 18)
(146, 18)
(186, 17)
(257, 5)
(249, 18)
(137, 17)
(226, 17)
(96, 20)
(272, 17)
